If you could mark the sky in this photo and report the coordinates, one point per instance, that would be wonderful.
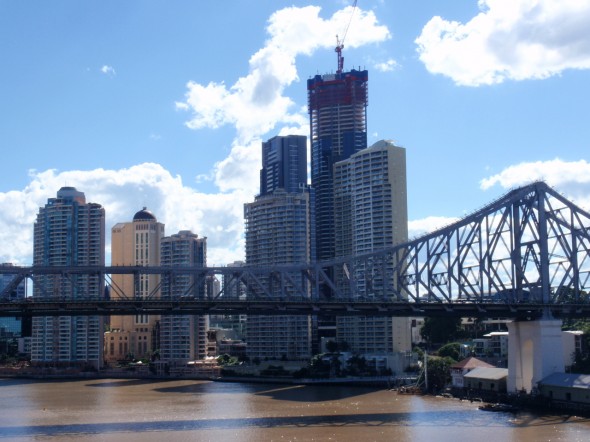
(164, 104)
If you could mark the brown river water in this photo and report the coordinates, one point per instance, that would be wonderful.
(183, 410)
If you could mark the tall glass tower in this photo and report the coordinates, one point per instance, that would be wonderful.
(68, 232)
(337, 105)
(284, 164)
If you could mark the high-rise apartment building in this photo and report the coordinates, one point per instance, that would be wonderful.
(371, 215)
(135, 243)
(183, 338)
(68, 232)
(284, 164)
(337, 105)
(278, 232)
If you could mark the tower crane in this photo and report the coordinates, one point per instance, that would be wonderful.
(340, 43)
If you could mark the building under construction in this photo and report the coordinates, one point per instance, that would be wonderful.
(337, 105)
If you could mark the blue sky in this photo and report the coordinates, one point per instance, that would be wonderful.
(164, 104)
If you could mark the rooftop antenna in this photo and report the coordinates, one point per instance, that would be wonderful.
(340, 43)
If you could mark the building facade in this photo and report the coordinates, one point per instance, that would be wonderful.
(183, 338)
(278, 232)
(337, 106)
(134, 243)
(68, 232)
(371, 214)
(284, 164)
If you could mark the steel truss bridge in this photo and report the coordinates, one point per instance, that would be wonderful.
(524, 255)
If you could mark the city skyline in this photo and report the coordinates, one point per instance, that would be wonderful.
(166, 108)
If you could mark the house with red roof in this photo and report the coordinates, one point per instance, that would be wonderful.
(461, 368)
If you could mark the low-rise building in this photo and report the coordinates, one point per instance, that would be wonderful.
(462, 368)
(489, 379)
(567, 387)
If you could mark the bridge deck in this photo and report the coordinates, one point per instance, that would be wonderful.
(278, 307)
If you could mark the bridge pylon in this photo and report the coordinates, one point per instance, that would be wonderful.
(535, 350)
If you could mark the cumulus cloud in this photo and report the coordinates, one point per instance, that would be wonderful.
(572, 178)
(108, 70)
(516, 39)
(256, 103)
(123, 192)
(386, 66)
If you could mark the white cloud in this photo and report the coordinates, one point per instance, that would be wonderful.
(572, 178)
(387, 66)
(123, 192)
(255, 104)
(108, 70)
(516, 39)
(429, 224)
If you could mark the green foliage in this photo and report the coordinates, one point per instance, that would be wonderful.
(335, 347)
(226, 360)
(581, 364)
(451, 350)
(357, 366)
(332, 346)
(577, 324)
(439, 373)
(441, 330)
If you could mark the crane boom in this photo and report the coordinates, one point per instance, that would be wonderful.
(340, 43)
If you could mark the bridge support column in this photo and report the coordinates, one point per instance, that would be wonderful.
(535, 350)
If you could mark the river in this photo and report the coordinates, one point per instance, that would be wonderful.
(143, 410)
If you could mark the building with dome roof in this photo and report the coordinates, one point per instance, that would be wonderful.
(134, 243)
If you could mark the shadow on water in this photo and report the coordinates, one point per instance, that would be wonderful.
(419, 419)
(282, 392)
(126, 382)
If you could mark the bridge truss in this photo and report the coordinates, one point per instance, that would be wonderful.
(525, 254)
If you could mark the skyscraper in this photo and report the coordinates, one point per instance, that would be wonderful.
(183, 338)
(278, 232)
(134, 243)
(284, 164)
(337, 105)
(371, 214)
(68, 232)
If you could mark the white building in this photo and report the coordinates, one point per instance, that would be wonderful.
(68, 232)
(371, 214)
(278, 232)
(183, 338)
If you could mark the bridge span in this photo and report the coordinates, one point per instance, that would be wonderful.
(524, 255)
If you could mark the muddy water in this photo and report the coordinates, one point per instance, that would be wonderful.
(139, 410)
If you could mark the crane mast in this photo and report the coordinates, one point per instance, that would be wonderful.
(340, 43)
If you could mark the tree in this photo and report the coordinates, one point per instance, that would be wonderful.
(332, 346)
(438, 372)
(451, 350)
(441, 330)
